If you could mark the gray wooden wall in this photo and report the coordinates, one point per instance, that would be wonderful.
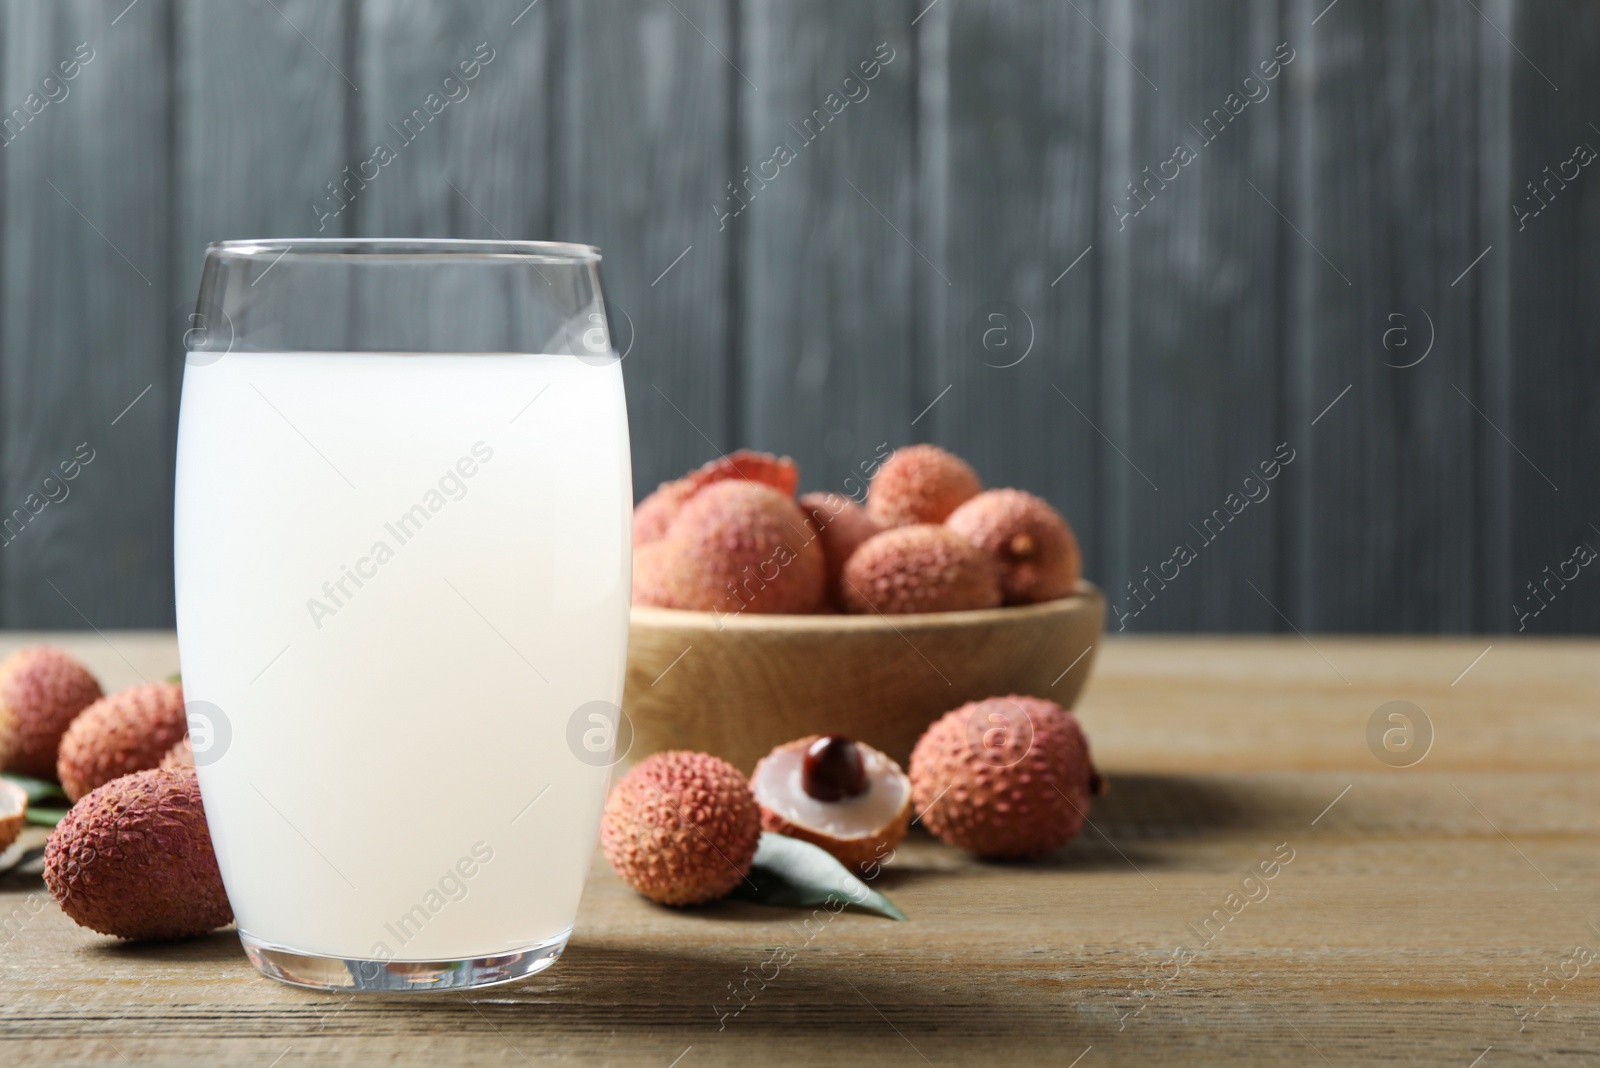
(966, 210)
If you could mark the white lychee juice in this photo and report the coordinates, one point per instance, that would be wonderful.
(402, 606)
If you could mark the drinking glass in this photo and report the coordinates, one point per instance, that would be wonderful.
(403, 552)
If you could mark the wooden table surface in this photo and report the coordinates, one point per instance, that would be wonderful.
(1428, 913)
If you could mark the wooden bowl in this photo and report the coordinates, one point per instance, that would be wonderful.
(738, 685)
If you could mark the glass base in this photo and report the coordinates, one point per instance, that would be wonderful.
(321, 972)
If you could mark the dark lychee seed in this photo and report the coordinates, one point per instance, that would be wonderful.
(1098, 784)
(833, 770)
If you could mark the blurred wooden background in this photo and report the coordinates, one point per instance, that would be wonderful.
(962, 209)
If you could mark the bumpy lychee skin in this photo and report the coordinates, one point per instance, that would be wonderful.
(735, 547)
(922, 568)
(1034, 547)
(127, 731)
(180, 755)
(133, 859)
(842, 526)
(859, 831)
(920, 484)
(1004, 777)
(681, 827)
(42, 689)
(653, 515)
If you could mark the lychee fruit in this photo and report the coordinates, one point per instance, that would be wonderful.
(842, 526)
(127, 731)
(681, 827)
(1034, 547)
(13, 812)
(839, 794)
(653, 515)
(735, 547)
(42, 689)
(134, 859)
(920, 484)
(921, 568)
(1004, 777)
(180, 755)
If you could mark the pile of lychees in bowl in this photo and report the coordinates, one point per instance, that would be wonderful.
(761, 614)
(133, 856)
(733, 537)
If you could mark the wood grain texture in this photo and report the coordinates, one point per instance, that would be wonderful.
(741, 685)
(831, 260)
(1407, 928)
(1552, 414)
(1193, 250)
(1389, 110)
(85, 333)
(645, 125)
(471, 154)
(1009, 103)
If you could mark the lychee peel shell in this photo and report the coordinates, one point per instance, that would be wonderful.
(1018, 794)
(134, 859)
(920, 568)
(42, 690)
(681, 828)
(128, 731)
(920, 484)
(1034, 548)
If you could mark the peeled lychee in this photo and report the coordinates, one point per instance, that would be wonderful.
(1035, 548)
(1004, 777)
(655, 513)
(42, 689)
(836, 793)
(13, 811)
(922, 568)
(735, 547)
(134, 859)
(841, 525)
(180, 755)
(681, 828)
(920, 484)
(128, 731)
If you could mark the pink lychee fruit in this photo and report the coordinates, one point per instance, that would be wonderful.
(736, 546)
(920, 484)
(841, 525)
(655, 513)
(920, 568)
(1035, 548)
(1004, 777)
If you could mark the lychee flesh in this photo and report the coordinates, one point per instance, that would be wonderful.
(134, 859)
(653, 515)
(736, 547)
(857, 830)
(920, 484)
(921, 568)
(1034, 547)
(128, 731)
(841, 525)
(681, 828)
(13, 812)
(42, 690)
(1004, 777)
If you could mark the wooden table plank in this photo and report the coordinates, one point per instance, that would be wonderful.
(1407, 927)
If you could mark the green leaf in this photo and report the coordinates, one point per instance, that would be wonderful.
(175, 677)
(37, 789)
(44, 817)
(790, 872)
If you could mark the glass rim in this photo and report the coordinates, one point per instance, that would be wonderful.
(377, 248)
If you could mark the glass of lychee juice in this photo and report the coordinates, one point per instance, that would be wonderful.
(403, 552)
